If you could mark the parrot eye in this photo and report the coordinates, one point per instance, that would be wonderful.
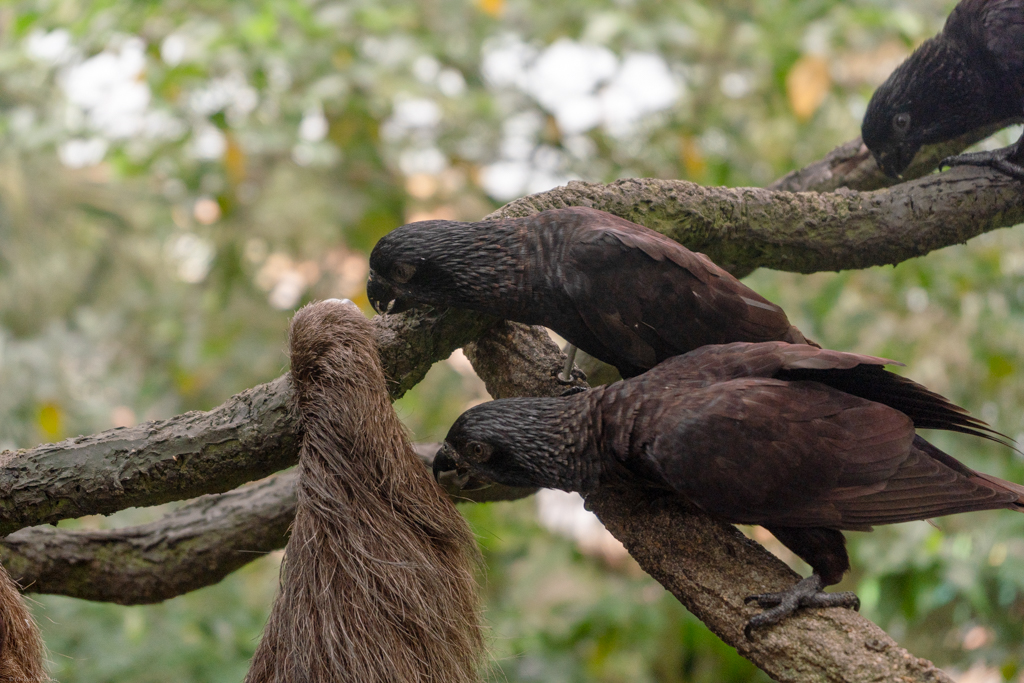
(479, 452)
(901, 122)
(403, 272)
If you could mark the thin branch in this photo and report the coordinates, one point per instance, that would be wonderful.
(196, 545)
(707, 564)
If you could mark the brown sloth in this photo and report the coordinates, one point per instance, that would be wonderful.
(21, 645)
(378, 581)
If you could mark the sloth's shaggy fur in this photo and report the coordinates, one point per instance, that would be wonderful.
(378, 583)
(21, 646)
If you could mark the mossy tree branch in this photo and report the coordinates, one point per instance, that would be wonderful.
(253, 434)
(746, 228)
(196, 545)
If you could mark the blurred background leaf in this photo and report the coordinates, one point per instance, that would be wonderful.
(176, 178)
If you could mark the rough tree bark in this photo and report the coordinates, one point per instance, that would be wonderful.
(196, 545)
(805, 232)
(710, 567)
(851, 165)
(254, 433)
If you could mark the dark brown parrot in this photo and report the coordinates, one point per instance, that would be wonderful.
(623, 293)
(764, 433)
(968, 76)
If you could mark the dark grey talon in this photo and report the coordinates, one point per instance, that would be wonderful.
(571, 391)
(1007, 160)
(764, 599)
(806, 593)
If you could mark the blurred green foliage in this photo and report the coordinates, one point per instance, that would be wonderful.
(177, 177)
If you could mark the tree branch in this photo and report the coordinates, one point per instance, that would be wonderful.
(196, 545)
(250, 436)
(745, 228)
(707, 564)
(851, 165)
(710, 567)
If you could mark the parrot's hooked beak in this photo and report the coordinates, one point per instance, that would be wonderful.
(384, 297)
(453, 476)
